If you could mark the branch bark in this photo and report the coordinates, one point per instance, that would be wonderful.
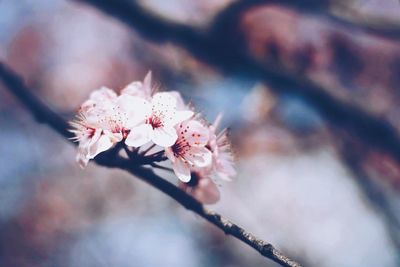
(219, 50)
(111, 159)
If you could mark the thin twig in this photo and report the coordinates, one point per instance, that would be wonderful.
(155, 165)
(112, 159)
(147, 150)
(220, 51)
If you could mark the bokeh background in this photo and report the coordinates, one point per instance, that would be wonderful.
(314, 191)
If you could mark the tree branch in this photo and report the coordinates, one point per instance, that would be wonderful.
(111, 159)
(220, 51)
(339, 12)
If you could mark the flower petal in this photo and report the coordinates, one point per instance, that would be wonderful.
(170, 154)
(134, 89)
(139, 135)
(103, 143)
(180, 116)
(180, 104)
(194, 132)
(135, 109)
(182, 170)
(163, 102)
(164, 136)
(206, 191)
(103, 94)
(199, 156)
(147, 89)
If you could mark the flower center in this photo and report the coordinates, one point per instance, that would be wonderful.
(180, 148)
(90, 131)
(155, 122)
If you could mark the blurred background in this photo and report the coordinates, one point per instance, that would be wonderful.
(313, 190)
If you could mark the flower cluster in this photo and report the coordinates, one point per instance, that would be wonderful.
(141, 116)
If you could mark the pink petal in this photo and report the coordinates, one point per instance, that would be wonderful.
(139, 135)
(181, 170)
(206, 191)
(164, 136)
(194, 132)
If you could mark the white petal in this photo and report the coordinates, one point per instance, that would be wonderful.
(102, 94)
(104, 143)
(163, 102)
(139, 135)
(135, 109)
(134, 89)
(180, 116)
(180, 104)
(199, 156)
(182, 170)
(164, 136)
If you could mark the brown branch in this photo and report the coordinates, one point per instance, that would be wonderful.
(112, 159)
(220, 50)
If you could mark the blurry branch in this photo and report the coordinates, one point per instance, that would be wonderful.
(223, 48)
(39, 110)
(341, 12)
(353, 159)
(112, 159)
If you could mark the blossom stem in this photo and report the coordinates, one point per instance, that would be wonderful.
(155, 165)
(148, 149)
(131, 153)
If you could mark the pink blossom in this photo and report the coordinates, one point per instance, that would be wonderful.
(92, 139)
(189, 151)
(161, 117)
(105, 119)
(202, 188)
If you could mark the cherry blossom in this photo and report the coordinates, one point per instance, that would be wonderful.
(138, 116)
(105, 119)
(159, 123)
(189, 151)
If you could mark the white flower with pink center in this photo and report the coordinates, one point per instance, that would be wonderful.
(161, 117)
(189, 151)
(105, 120)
